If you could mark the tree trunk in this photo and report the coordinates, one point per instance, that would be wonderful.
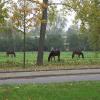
(42, 34)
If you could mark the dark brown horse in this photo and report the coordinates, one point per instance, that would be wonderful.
(53, 54)
(77, 52)
(12, 53)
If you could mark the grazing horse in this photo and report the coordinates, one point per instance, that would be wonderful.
(12, 53)
(77, 52)
(53, 54)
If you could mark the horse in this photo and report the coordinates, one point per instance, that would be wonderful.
(54, 53)
(77, 52)
(12, 53)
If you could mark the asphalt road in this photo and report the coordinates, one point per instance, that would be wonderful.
(52, 79)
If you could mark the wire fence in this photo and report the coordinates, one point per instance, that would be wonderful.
(66, 61)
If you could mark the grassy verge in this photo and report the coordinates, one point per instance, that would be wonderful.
(60, 91)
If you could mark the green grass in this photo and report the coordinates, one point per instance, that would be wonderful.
(66, 61)
(58, 91)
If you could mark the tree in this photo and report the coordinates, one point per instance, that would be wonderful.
(3, 12)
(54, 40)
(23, 16)
(72, 39)
(42, 33)
(77, 39)
(88, 13)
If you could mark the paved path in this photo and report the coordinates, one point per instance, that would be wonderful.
(49, 76)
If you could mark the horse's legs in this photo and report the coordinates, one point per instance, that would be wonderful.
(82, 55)
(6, 54)
(54, 58)
(79, 55)
(11, 55)
(72, 55)
(51, 58)
(14, 55)
(58, 57)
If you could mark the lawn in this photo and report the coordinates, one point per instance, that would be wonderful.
(66, 61)
(88, 90)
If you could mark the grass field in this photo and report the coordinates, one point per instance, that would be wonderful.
(89, 90)
(66, 61)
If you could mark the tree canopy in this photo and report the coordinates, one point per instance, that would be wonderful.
(88, 13)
